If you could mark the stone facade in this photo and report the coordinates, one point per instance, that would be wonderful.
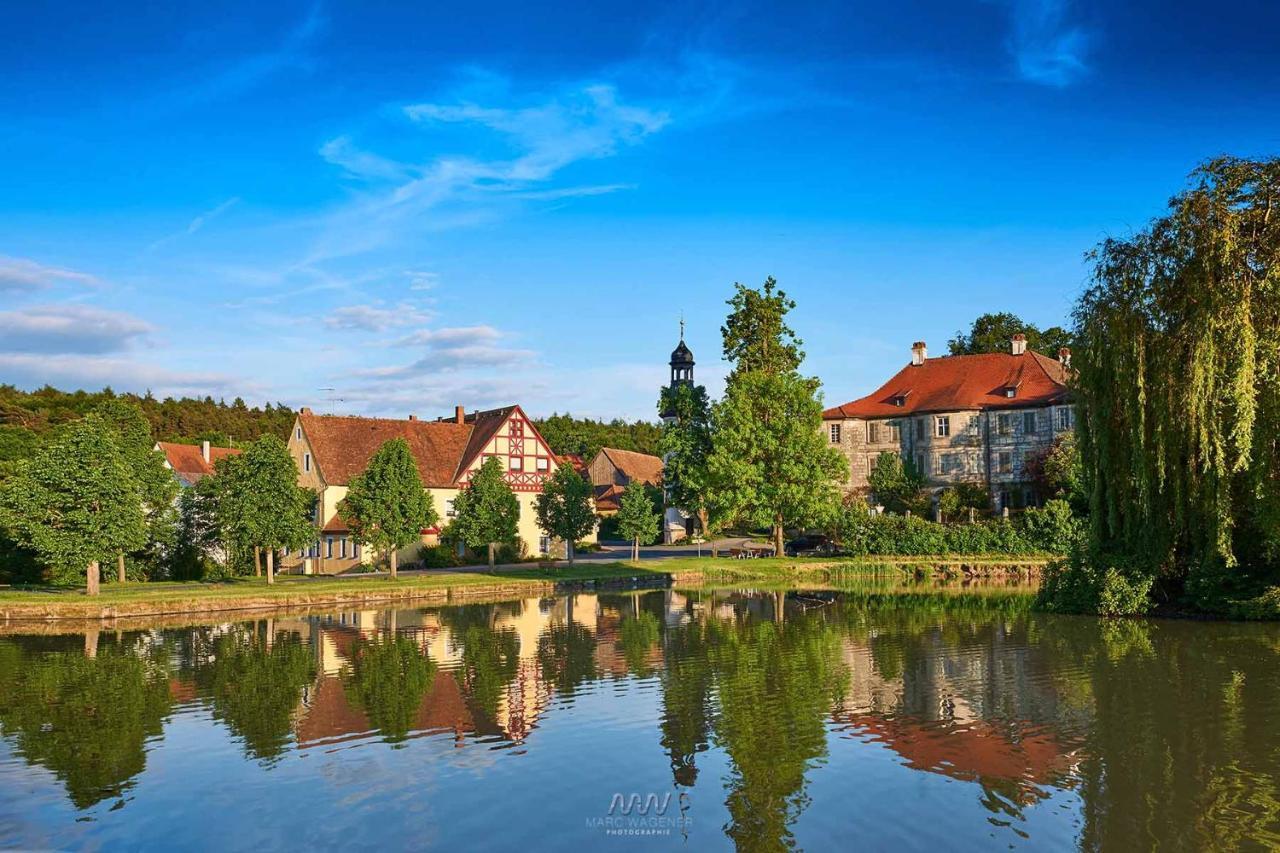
(964, 419)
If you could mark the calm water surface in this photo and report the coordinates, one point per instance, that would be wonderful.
(652, 720)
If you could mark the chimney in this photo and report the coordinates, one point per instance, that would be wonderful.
(413, 417)
(1064, 356)
(305, 410)
(204, 450)
(460, 414)
(919, 353)
(1019, 343)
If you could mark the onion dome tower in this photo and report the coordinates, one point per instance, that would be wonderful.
(681, 366)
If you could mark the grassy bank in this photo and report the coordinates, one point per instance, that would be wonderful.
(249, 594)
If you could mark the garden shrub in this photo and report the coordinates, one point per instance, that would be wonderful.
(1091, 583)
(439, 557)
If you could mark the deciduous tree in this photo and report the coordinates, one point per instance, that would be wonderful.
(685, 447)
(264, 505)
(386, 506)
(75, 503)
(157, 487)
(487, 512)
(756, 335)
(994, 332)
(770, 462)
(564, 507)
(637, 519)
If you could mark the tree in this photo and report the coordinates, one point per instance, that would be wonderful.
(267, 507)
(229, 493)
(637, 519)
(1178, 394)
(770, 462)
(993, 333)
(75, 503)
(895, 482)
(157, 487)
(487, 512)
(386, 506)
(564, 508)
(685, 447)
(756, 335)
(1057, 472)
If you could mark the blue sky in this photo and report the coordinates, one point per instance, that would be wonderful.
(487, 203)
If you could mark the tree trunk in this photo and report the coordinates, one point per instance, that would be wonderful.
(635, 550)
(257, 561)
(491, 558)
(568, 547)
(271, 565)
(395, 562)
(91, 643)
(777, 539)
(91, 579)
(120, 567)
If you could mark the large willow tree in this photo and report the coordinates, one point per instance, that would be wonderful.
(1180, 395)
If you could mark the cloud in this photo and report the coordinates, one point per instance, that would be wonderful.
(197, 223)
(451, 349)
(587, 123)
(539, 138)
(419, 280)
(245, 72)
(69, 329)
(1046, 47)
(18, 275)
(372, 318)
(76, 371)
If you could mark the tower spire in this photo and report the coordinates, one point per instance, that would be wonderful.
(682, 325)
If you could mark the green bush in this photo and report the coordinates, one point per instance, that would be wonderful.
(1088, 583)
(509, 552)
(1053, 527)
(439, 557)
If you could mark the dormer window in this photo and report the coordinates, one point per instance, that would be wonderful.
(900, 400)
(1011, 391)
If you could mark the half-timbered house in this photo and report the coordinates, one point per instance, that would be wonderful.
(330, 450)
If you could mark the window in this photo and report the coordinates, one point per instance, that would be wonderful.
(895, 432)
(328, 547)
(950, 463)
(544, 545)
(306, 462)
(873, 432)
(921, 460)
(515, 463)
(942, 426)
(342, 547)
(1004, 424)
(834, 432)
(355, 550)
(298, 433)
(1066, 418)
(1029, 423)
(543, 463)
(1004, 462)
(920, 428)
(449, 510)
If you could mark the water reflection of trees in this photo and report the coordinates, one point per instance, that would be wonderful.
(253, 677)
(387, 677)
(86, 719)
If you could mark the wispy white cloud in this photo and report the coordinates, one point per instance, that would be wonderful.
(1048, 47)
(242, 73)
(197, 222)
(27, 370)
(375, 318)
(20, 275)
(69, 329)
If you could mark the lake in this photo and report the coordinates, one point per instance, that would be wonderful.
(760, 720)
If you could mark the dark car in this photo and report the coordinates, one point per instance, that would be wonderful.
(811, 544)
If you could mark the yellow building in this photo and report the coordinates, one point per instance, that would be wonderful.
(330, 450)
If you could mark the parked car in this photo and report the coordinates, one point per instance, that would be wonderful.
(812, 545)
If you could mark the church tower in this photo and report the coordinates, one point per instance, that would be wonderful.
(681, 368)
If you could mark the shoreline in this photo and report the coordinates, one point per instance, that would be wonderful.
(252, 596)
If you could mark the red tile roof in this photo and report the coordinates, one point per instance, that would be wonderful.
(608, 498)
(443, 449)
(963, 382)
(579, 464)
(187, 460)
(635, 466)
(343, 446)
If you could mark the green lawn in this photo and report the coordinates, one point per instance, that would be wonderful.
(292, 590)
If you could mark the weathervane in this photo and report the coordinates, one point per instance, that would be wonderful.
(682, 325)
